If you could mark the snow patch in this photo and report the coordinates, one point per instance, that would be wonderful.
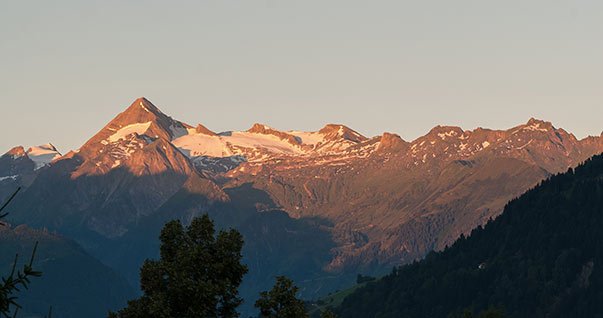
(9, 177)
(529, 142)
(42, 155)
(143, 107)
(116, 164)
(308, 138)
(535, 127)
(122, 133)
(447, 134)
(195, 145)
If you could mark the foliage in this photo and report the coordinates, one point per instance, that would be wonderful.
(489, 313)
(327, 314)
(17, 279)
(197, 275)
(361, 279)
(281, 301)
(331, 301)
(541, 258)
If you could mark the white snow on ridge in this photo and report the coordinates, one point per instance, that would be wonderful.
(9, 177)
(143, 107)
(234, 143)
(531, 127)
(269, 142)
(123, 132)
(447, 134)
(308, 138)
(195, 145)
(116, 163)
(535, 127)
(258, 147)
(42, 155)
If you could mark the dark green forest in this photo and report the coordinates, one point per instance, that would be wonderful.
(542, 257)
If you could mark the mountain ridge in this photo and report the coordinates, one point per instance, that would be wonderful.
(540, 258)
(142, 118)
(380, 201)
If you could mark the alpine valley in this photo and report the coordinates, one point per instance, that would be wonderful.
(319, 207)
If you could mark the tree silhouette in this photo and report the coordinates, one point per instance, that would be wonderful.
(281, 301)
(17, 279)
(197, 275)
(327, 314)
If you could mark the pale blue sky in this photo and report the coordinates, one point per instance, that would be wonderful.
(68, 67)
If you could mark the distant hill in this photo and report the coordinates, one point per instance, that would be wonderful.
(543, 257)
(74, 283)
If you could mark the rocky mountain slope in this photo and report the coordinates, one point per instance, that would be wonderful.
(375, 201)
(540, 258)
(19, 167)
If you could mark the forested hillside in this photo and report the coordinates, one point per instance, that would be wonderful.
(542, 257)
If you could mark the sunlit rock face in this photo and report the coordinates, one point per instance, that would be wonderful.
(373, 201)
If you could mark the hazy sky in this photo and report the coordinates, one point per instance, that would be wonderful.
(68, 67)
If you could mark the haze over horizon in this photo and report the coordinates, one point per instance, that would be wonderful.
(69, 67)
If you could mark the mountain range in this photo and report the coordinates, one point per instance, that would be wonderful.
(318, 206)
(540, 258)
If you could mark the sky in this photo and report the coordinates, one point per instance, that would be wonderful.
(68, 67)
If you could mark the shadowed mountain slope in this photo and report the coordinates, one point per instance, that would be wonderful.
(375, 201)
(72, 282)
(540, 258)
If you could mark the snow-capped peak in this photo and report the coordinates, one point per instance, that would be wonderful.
(16, 152)
(122, 133)
(265, 130)
(143, 104)
(200, 129)
(538, 125)
(43, 155)
(337, 131)
(140, 118)
(446, 132)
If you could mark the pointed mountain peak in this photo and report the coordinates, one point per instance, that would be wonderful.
(338, 131)
(43, 155)
(141, 118)
(141, 109)
(16, 152)
(140, 112)
(443, 129)
(40, 155)
(533, 121)
(538, 125)
(391, 142)
(46, 147)
(200, 129)
(446, 132)
(260, 129)
(266, 130)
